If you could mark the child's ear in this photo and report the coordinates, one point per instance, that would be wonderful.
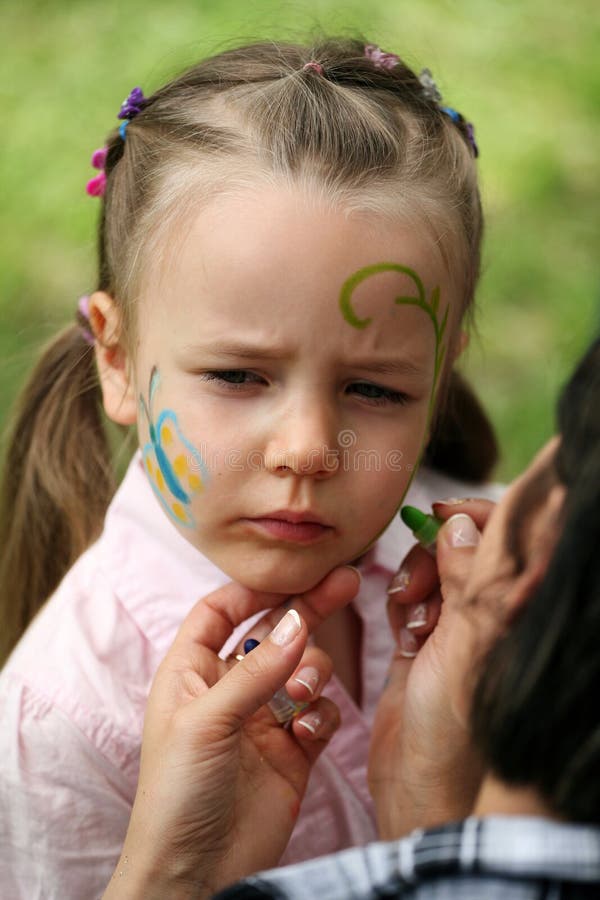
(114, 364)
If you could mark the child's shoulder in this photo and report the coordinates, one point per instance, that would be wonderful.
(88, 655)
(95, 645)
(77, 674)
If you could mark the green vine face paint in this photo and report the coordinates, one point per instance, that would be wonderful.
(429, 306)
(303, 423)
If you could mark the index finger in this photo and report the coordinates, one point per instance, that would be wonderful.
(476, 508)
(216, 616)
(418, 575)
(335, 591)
(417, 580)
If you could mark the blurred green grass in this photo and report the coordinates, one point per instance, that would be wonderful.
(524, 72)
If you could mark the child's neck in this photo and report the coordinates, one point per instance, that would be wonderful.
(340, 636)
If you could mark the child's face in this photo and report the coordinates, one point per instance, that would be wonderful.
(285, 432)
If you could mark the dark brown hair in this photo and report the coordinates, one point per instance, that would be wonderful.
(535, 709)
(369, 137)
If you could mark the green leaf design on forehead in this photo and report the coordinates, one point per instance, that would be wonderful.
(430, 307)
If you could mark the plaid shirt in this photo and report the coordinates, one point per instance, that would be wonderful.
(503, 858)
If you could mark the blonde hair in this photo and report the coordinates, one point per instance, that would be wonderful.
(368, 137)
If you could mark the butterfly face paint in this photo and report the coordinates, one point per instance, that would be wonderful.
(174, 466)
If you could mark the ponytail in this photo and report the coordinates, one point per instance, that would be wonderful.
(463, 443)
(57, 481)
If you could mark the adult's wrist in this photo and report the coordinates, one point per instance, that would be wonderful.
(137, 879)
(425, 799)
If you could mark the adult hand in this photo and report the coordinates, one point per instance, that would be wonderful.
(422, 767)
(220, 781)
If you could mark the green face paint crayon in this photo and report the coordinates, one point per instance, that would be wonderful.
(424, 527)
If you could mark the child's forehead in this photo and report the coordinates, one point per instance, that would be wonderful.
(289, 234)
(254, 257)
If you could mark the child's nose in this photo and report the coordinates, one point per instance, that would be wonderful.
(304, 442)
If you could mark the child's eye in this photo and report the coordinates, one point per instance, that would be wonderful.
(233, 378)
(377, 395)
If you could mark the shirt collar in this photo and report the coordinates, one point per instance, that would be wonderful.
(154, 571)
(522, 846)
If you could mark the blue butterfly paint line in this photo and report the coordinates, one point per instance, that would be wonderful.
(177, 474)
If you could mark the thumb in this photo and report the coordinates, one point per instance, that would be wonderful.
(456, 545)
(253, 681)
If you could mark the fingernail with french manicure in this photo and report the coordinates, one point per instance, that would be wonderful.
(400, 581)
(286, 629)
(416, 615)
(407, 643)
(354, 569)
(462, 531)
(312, 721)
(308, 677)
(451, 501)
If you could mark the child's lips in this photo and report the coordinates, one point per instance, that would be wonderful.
(288, 525)
(296, 516)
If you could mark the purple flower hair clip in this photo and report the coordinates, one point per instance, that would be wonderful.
(379, 57)
(130, 108)
(132, 105)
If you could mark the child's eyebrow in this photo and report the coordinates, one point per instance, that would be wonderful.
(390, 366)
(245, 350)
(241, 350)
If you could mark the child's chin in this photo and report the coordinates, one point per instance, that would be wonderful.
(281, 582)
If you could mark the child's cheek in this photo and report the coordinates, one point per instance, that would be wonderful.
(175, 467)
(400, 460)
